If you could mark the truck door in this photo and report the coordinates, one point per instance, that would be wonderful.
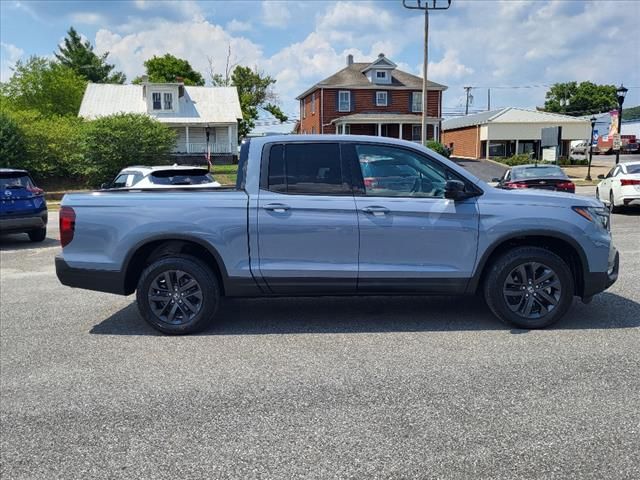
(307, 221)
(411, 238)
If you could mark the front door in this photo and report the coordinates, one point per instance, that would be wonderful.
(307, 221)
(411, 237)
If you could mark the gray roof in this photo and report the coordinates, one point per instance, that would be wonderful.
(352, 77)
(198, 105)
(509, 115)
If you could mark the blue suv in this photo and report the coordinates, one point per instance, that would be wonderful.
(23, 208)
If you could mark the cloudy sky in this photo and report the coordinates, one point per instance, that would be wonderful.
(483, 43)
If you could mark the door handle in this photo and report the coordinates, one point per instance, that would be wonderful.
(376, 210)
(276, 207)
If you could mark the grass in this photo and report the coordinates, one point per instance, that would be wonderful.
(225, 174)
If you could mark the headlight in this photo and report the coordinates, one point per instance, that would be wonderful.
(598, 215)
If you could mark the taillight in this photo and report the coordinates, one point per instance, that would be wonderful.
(516, 185)
(370, 182)
(625, 182)
(568, 186)
(67, 225)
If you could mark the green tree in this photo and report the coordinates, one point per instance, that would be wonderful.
(80, 57)
(254, 91)
(12, 143)
(167, 68)
(52, 144)
(44, 85)
(582, 98)
(117, 141)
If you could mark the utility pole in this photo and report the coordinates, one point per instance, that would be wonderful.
(425, 5)
(488, 99)
(466, 108)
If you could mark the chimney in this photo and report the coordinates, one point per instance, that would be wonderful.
(349, 60)
(145, 78)
(179, 80)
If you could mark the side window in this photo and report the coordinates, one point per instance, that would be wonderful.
(610, 174)
(120, 181)
(137, 176)
(306, 168)
(396, 172)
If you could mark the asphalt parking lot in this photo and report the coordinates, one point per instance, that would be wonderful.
(409, 387)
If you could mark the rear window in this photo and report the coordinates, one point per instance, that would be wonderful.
(309, 168)
(182, 177)
(15, 181)
(537, 172)
(633, 168)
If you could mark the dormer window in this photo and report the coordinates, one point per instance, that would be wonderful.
(168, 101)
(157, 102)
(381, 75)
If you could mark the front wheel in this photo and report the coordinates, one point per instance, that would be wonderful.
(178, 295)
(529, 287)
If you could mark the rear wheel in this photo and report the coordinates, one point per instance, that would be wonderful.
(612, 205)
(178, 295)
(38, 235)
(529, 287)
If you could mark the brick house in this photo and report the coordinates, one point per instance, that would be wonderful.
(371, 99)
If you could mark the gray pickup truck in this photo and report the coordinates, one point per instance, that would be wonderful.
(338, 215)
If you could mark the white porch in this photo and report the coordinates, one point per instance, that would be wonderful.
(223, 139)
(404, 126)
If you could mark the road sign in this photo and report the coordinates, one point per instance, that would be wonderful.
(595, 138)
(617, 141)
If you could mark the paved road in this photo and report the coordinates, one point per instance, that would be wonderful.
(315, 388)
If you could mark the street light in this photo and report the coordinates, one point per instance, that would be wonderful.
(593, 126)
(621, 93)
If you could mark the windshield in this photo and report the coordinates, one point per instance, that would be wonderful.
(537, 172)
(182, 177)
(15, 181)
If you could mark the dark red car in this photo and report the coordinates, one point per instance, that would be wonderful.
(543, 177)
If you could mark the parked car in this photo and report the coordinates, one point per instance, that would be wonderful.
(301, 220)
(23, 208)
(538, 176)
(162, 177)
(581, 148)
(621, 186)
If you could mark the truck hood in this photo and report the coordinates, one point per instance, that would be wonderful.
(540, 198)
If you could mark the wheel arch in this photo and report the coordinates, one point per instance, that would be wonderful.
(149, 250)
(562, 245)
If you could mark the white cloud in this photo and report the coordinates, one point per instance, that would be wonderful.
(88, 18)
(238, 26)
(448, 68)
(276, 13)
(10, 54)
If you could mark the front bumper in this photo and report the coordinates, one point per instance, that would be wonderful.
(109, 281)
(23, 223)
(596, 282)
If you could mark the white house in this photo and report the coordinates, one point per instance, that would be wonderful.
(204, 118)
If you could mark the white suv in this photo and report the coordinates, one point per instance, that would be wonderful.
(162, 177)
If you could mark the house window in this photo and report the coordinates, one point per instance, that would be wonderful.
(344, 101)
(381, 99)
(416, 133)
(313, 103)
(416, 102)
(168, 101)
(381, 74)
(157, 101)
(347, 129)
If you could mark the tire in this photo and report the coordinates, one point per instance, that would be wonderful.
(503, 294)
(177, 306)
(598, 193)
(38, 235)
(612, 205)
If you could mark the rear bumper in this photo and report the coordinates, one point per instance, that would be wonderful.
(23, 223)
(596, 282)
(109, 281)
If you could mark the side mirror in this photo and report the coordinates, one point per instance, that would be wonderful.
(454, 190)
(601, 177)
(105, 186)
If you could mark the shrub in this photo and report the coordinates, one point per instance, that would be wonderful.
(519, 159)
(12, 143)
(118, 141)
(438, 147)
